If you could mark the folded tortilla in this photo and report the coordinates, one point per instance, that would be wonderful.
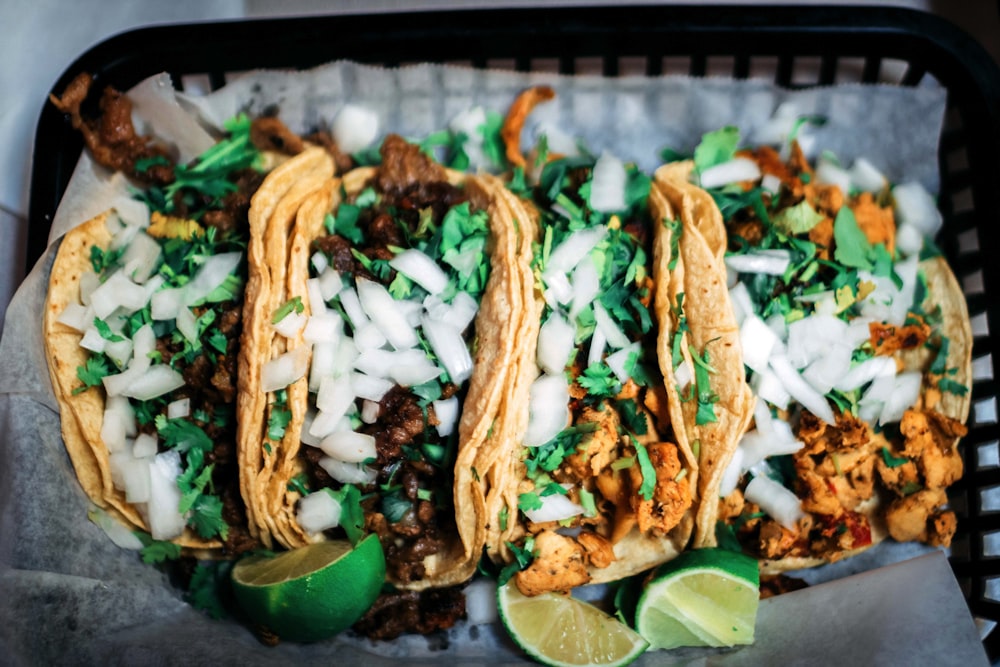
(272, 465)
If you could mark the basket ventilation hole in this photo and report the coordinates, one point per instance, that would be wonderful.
(980, 326)
(986, 410)
(988, 455)
(982, 368)
(973, 283)
(968, 241)
(989, 500)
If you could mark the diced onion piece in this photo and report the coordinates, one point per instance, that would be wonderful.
(683, 375)
(739, 296)
(325, 327)
(757, 341)
(481, 599)
(463, 311)
(347, 473)
(291, 324)
(762, 417)
(323, 424)
(767, 386)
(731, 477)
(349, 446)
(607, 186)
(306, 436)
(573, 249)
(369, 337)
(801, 390)
(154, 382)
(450, 349)
(165, 520)
(187, 323)
(354, 128)
(317, 304)
(166, 303)
(615, 336)
(622, 362)
(330, 284)
(559, 289)
(470, 123)
(324, 359)
(381, 308)
(770, 262)
(915, 206)
(830, 173)
(89, 281)
(905, 393)
(909, 240)
(285, 369)
(421, 269)
(137, 479)
(757, 446)
(556, 340)
(179, 408)
(141, 258)
(143, 345)
(586, 286)
(447, 413)
(866, 176)
(118, 423)
(771, 183)
(93, 341)
(598, 343)
(131, 212)
(318, 512)
(369, 411)
(810, 338)
(734, 171)
(555, 507)
(319, 262)
(117, 292)
(865, 372)
(370, 388)
(778, 502)
(212, 274)
(830, 368)
(145, 445)
(404, 367)
(352, 308)
(77, 317)
(548, 409)
(335, 396)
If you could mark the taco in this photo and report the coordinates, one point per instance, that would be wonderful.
(386, 353)
(857, 344)
(599, 478)
(142, 327)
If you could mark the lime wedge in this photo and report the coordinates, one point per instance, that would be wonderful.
(556, 629)
(311, 593)
(706, 597)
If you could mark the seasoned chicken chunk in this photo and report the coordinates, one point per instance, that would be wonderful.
(560, 565)
(671, 495)
(907, 518)
(597, 450)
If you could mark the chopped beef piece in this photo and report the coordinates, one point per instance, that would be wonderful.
(383, 231)
(234, 214)
(777, 584)
(422, 612)
(403, 165)
(338, 249)
(270, 134)
(343, 161)
(401, 421)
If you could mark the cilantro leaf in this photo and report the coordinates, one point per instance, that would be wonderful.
(206, 517)
(278, 421)
(182, 435)
(156, 551)
(952, 387)
(527, 502)
(646, 468)
(346, 223)
(797, 219)
(599, 381)
(352, 517)
(209, 582)
(633, 418)
(852, 246)
(893, 461)
(716, 147)
(522, 559)
(92, 371)
(285, 309)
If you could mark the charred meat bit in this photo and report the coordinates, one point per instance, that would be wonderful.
(403, 164)
(777, 584)
(338, 249)
(270, 134)
(421, 612)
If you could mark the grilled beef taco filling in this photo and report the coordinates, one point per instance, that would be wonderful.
(160, 316)
(599, 458)
(857, 353)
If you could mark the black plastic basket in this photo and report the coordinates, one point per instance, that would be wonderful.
(794, 47)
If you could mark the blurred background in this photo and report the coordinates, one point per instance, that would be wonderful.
(43, 37)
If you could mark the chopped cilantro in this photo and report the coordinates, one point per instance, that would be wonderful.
(156, 551)
(599, 381)
(633, 418)
(286, 309)
(299, 483)
(346, 223)
(527, 502)
(91, 372)
(797, 219)
(705, 396)
(105, 331)
(209, 581)
(646, 468)
(716, 148)
(352, 516)
(502, 517)
(278, 421)
(522, 559)
(588, 502)
(206, 517)
(852, 246)
(182, 435)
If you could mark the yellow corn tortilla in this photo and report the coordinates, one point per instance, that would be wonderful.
(270, 472)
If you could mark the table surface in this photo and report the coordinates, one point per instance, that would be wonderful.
(44, 36)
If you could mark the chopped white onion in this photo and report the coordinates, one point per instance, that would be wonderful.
(166, 303)
(770, 262)
(89, 281)
(607, 186)
(285, 369)
(354, 128)
(93, 341)
(446, 412)
(734, 171)
(586, 286)
(421, 269)
(763, 420)
(481, 600)
(187, 323)
(757, 341)
(866, 176)
(291, 324)
(555, 507)
(142, 257)
(756, 446)
(381, 308)
(915, 206)
(767, 386)
(734, 471)
(462, 312)
(778, 502)
(118, 423)
(556, 341)
(369, 411)
(771, 183)
(145, 445)
(132, 212)
(347, 473)
(212, 274)
(559, 290)
(909, 240)
(865, 372)
(622, 362)
(349, 446)
(548, 409)
(905, 393)
(683, 375)
(335, 396)
(165, 520)
(369, 337)
(405, 367)
(330, 284)
(573, 249)
(352, 308)
(324, 359)
(412, 310)
(810, 338)
(370, 388)
(801, 390)
(318, 512)
(307, 436)
(830, 173)
(117, 292)
(179, 408)
(598, 343)
(137, 479)
(615, 336)
(77, 317)
(830, 368)
(450, 349)
(739, 295)
(319, 262)
(325, 327)
(156, 381)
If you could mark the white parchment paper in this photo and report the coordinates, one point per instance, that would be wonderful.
(69, 596)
